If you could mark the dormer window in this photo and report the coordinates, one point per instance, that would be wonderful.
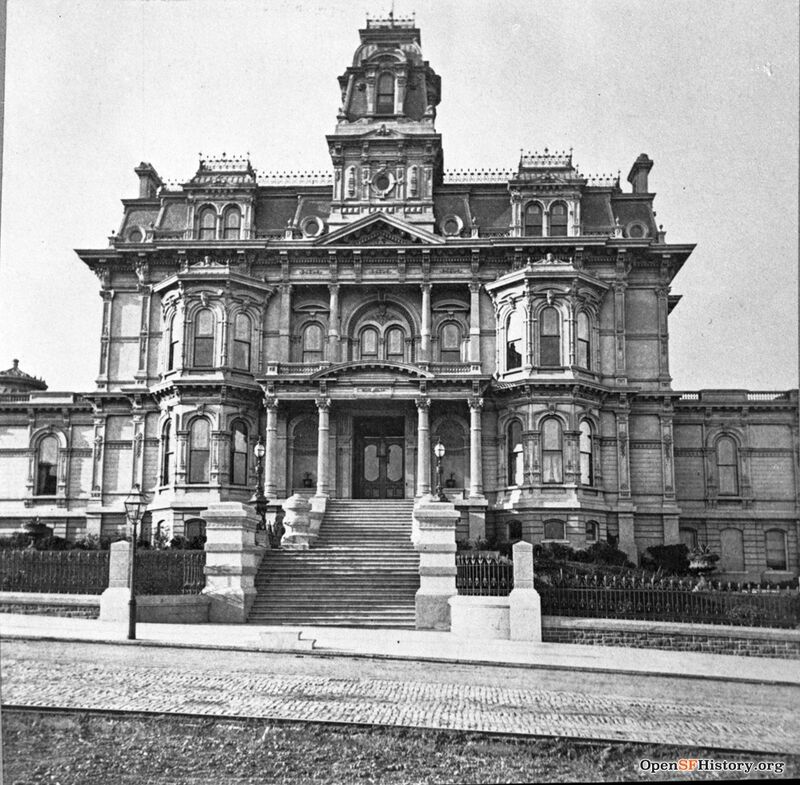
(384, 102)
(207, 224)
(232, 224)
(558, 220)
(533, 220)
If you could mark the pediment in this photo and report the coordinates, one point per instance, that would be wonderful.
(380, 229)
(374, 371)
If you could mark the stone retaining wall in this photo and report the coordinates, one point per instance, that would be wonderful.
(711, 639)
(79, 606)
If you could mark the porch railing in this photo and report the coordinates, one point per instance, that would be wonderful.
(56, 572)
(484, 576)
(670, 599)
(170, 572)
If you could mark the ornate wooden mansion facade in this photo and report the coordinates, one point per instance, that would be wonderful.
(353, 318)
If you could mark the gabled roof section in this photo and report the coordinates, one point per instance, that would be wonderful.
(380, 229)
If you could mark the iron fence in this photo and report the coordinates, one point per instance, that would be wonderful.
(57, 572)
(170, 572)
(671, 599)
(481, 575)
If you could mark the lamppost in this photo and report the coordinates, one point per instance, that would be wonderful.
(439, 451)
(134, 507)
(259, 500)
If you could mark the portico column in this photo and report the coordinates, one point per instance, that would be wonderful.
(426, 322)
(270, 490)
(475, 454)
(333, 324)
(423, 448)
(323, 408)
(475, 322)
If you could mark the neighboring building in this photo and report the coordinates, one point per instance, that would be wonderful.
(355, 317)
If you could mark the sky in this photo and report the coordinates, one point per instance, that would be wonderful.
(709, 90)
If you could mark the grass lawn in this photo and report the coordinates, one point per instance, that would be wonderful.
(89, 749)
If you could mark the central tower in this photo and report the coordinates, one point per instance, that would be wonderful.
(387, 156)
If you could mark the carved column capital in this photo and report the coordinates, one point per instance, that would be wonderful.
(323, 404)
(422, 403)
(476, 403)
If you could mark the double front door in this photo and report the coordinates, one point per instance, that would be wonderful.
(379, 459)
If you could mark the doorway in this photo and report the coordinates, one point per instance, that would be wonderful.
(379, 461)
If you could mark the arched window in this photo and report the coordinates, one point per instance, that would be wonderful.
(549, 338)
(514, 344)
(775, 541)
(516, 460)
(552, 454)
(369, 344)
(199, 450)
(312, 343)
(688, 536)
(584, 355)
(232, 224)
(207, 224)
(395, 344)
(592, 531)
(204, 339)
(731, 550)
(554, 530)
(384, 103)
(727, 466)
(239, 454)
(194, 531)
(47, 467)
(533, 220)
(450, 343)
(350, 182)
(587, 462)
(558, 220)
(168, 454)
(241, 341)
(172, 356)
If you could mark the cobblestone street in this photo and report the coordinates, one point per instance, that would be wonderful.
(401, 693)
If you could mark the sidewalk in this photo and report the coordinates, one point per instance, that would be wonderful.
(410, 645)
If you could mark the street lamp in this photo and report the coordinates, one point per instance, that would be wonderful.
(134, 508)
(439, 451)
(259, 500)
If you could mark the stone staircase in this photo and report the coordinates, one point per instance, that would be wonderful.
(362, 571)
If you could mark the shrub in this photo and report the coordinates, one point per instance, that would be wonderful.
(52, 543)
(672, 559)
(557, 551)
(607, 553)
(16, 541)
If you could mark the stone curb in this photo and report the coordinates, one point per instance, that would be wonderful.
(331, 653)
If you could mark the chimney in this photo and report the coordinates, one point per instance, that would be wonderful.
(637, 176)
(149, 181)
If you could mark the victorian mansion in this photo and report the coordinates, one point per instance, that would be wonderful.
(354, 318)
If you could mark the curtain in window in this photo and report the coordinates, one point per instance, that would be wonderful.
(450, 343)
(168, 454)
(239, 454)
(552, 457)
(550, 337)
(558, 220)
(776, 549)
(516, 455)
(207, 223)
(587, 464)
(241, 342)
(554, 530)
(395, 344)
(385, 97)
(47, 467)
(204, 339)
(232, 224)
(584, 355)
(533, 220)
(727, 466)
(514, 343)
(199, 451)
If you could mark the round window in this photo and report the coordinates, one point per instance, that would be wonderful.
(311, 226)
(135, 236)
(451, 225)
(382, 182)
(636, 230)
